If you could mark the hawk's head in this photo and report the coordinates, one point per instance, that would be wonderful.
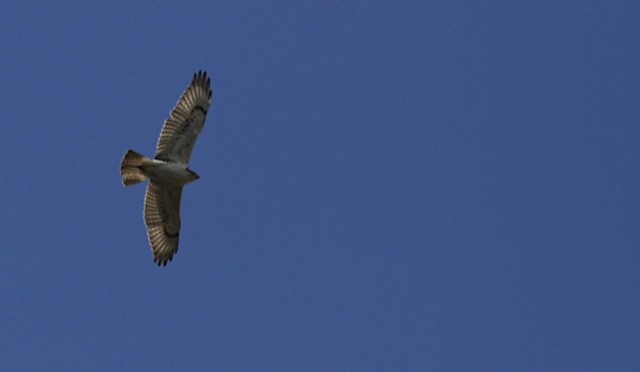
(192, 175)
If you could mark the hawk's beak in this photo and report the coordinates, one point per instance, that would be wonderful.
(195, 175)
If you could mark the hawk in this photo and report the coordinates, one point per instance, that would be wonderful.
(168, 171)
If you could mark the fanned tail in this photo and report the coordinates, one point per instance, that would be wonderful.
(130, 168)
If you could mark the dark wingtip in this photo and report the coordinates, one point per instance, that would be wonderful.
(201, 75)
(162, 261)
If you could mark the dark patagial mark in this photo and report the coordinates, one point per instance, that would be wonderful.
(169, 235)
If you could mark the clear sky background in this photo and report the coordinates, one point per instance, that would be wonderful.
(384, 186)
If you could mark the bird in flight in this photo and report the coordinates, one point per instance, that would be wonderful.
(168, 171)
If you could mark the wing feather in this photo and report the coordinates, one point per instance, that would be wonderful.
(185, 122)
(162, 217)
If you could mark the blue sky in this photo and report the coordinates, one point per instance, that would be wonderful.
(383, 186)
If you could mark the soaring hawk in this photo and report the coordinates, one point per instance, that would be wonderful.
(168, 171)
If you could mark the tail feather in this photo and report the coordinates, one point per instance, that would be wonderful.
(130, 168)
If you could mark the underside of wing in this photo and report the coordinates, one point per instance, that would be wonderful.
(162, 217)
(186, 120)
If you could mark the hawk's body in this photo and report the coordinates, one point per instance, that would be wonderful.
(168, 171)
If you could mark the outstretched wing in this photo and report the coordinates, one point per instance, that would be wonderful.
(162, 217)
(181, 130)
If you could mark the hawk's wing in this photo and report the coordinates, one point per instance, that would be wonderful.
(162, 217)
(181, 130)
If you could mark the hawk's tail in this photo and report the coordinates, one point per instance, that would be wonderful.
(130, 168)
